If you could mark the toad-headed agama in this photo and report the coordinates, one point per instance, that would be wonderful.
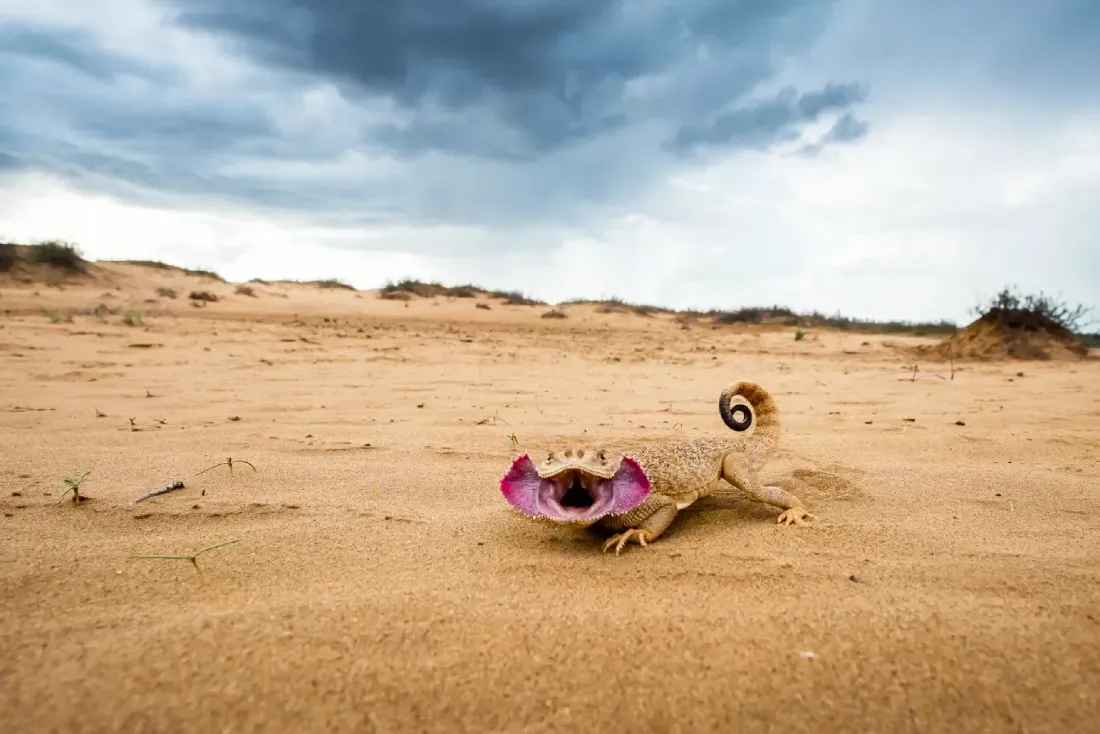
(636, 496)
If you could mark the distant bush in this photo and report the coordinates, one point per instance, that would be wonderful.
(58, 254)
(332, 283)
(157, 264)
(756, 315)
(1009, 305)
(8, 257)
(515, 298)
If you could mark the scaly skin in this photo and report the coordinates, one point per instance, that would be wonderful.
(682, 472)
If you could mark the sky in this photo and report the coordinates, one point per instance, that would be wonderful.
(887, 160)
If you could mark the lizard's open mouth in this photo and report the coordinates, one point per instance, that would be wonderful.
(574, 495)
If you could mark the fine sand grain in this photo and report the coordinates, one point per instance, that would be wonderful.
(380, 583)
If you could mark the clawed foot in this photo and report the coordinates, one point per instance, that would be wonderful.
(619, 540)
(794, 516)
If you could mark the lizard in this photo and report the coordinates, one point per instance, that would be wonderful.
(637, 496)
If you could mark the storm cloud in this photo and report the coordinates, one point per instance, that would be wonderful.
(471, 112)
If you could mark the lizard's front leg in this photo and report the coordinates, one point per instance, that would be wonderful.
(737, 472)
(643, 524)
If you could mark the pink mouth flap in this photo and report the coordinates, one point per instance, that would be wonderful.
(523, 489)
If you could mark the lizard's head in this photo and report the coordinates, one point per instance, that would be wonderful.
(575, 485)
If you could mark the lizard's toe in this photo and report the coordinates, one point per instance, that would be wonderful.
(621, 539)
(794, 516)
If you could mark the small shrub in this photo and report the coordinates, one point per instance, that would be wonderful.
(463, 291)
(133, 317)
(58, 254)
(165, 292)
(245, 290)
(412, 288)
(205, 296)
(396, 295)
(149, 264)
(8, 257)
(799, 335)
(1034, 307)
(57, 317)
(515, 298)
(333, 283)
(554, 314)
(753, 315)
(102, 311)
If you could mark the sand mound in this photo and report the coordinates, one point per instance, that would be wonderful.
(1013, 334)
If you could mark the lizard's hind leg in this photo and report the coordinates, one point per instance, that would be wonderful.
(736, 471)
(643, 524)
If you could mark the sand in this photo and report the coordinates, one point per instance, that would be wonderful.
(379, 582)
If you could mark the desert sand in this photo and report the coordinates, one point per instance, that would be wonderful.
(379, 582)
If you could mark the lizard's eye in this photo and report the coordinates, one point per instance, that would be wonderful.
(602, 456)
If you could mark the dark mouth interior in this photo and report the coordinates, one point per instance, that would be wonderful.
(577, 496)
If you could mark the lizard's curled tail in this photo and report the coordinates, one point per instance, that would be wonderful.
(765, 412)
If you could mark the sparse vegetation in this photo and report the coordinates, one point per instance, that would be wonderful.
(1011, 325)
(102, 311)
(57, 317)
(756, 315)
(133, 317)
(1007, 303)
(422, 289)
(1036, 308)
(407, 289)
(228, 462)
(165, 266)
(193, 558)
(331, 283)
(73, 485)
(515, 298)
(799, 335)
(8, 257)
(616, 305)
(57, 253)
(554, 314)
(404, 290)
(396, 295)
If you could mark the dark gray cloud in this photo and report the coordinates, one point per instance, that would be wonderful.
(447, 111)
(847, 129)
(549, 73)
(761, 125)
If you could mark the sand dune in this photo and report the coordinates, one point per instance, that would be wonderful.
(379, 582)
